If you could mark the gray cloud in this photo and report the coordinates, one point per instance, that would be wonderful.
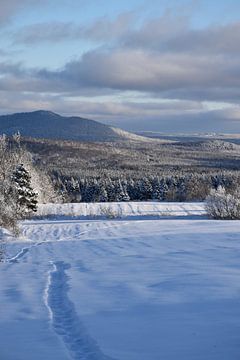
(101, 30)
(46, 32)
(164, 58)
(11, 7)
(186, 116)
(174, 34)
(124, 30)
(169, 75)
(174, 119)
(176, 76)
(215, 39)
(168, 33)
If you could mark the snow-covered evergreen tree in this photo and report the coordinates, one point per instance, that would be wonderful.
(73, 190)
(103, 197)
(156, 189)
(131, 190)
(26, 196)
(110, 188)
(163, 189)
(146, 190)
(122, 194)
(181, 190)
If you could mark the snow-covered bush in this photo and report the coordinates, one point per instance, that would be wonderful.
(8, 208)
(222, 205)
(110, 213)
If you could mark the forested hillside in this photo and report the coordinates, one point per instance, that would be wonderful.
(131, 170)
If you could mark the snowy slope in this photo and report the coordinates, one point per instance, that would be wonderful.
(126, 289)
(131, 136)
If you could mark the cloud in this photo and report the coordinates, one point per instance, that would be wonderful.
(11, 7)
(46, 32)
(175, 76)
(163, 58)
(174, 34)
(101, 30)
(168, 33)
(189, 76)
(214, 39)
(184, 116)
(125, 30)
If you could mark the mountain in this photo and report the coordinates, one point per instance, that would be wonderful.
(49, 125)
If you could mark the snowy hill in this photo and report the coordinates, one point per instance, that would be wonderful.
(214, 146)
(218, 145)
(46, 124)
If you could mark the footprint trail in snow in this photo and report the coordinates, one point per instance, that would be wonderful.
(64, 318)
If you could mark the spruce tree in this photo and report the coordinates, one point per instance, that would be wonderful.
(163, 189)
(110, 188)
(103, 197)
(26, 196)
(121, 192)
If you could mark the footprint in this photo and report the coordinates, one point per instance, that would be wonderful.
(64, 318)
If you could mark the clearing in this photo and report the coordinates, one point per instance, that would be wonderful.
(162, 282)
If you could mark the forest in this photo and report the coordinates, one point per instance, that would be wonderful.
(137, 171)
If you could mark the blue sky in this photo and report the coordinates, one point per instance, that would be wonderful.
(141, 65)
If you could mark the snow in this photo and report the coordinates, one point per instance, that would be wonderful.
(125, 209)
(131, 136)
(141, 287)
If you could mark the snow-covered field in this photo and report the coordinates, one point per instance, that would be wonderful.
(123, 210)
(133, 288)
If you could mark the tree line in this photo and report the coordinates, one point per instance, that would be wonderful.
(187, 187)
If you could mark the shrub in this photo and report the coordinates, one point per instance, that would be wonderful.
(8, 210)
(222, 205)
(110, 213)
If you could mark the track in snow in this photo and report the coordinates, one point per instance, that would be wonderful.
(64, 318)
(66, 236)
(21, 253)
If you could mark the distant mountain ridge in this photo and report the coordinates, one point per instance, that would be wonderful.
(49, 125)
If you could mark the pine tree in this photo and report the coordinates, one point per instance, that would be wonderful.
(181, 190)
(110, 188)
(163, 189)
(132, 190)
(26, 196)
(146, 189)
(73, 190)
(156, 189)
(103, 197)
(121, 192)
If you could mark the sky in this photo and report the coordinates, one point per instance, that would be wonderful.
(168, 66)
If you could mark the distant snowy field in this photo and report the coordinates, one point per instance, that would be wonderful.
(146, 286)
(126, 209)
